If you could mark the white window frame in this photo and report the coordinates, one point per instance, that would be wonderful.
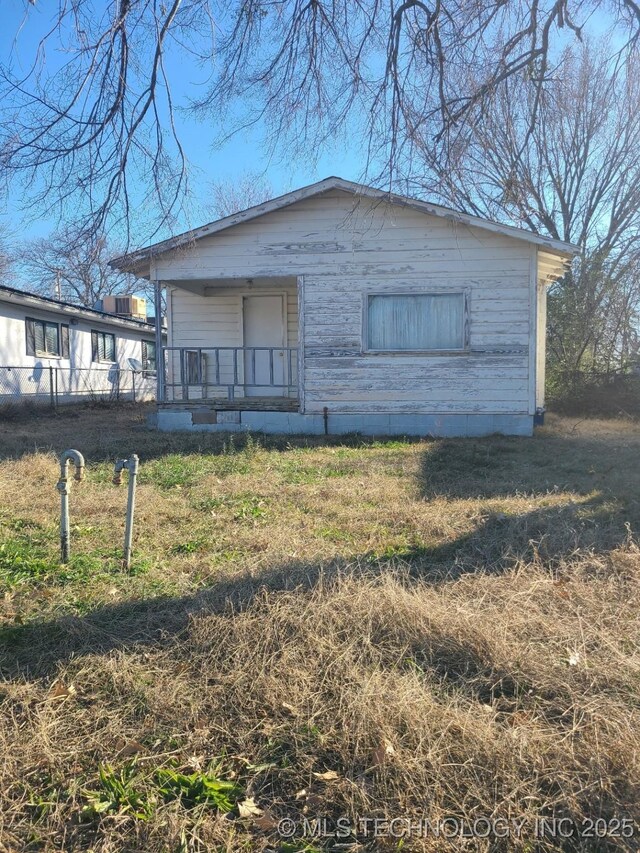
(432, 291)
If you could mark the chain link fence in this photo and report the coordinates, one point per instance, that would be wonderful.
(56, 386)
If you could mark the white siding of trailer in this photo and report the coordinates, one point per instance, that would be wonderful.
(77, 372)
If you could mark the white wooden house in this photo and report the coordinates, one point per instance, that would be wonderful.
(340, 308)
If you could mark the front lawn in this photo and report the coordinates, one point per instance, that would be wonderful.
(339, 629)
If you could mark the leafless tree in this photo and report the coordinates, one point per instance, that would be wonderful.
(235, 194)
(95, 106)
(6, 256)
(574, 175)
(73, 268)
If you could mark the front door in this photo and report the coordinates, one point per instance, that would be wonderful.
(264, 328)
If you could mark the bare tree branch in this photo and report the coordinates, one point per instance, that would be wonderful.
(72, 267)
(246, 190)
(575, 175)
(94, 115)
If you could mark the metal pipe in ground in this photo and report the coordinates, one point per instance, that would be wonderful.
(131, 465)
(63, 486)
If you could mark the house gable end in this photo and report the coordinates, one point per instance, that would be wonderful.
(330, 235)
(362, 197)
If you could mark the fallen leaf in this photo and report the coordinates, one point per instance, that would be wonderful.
(266, 822)
(383, 752)
(131, 747)
(327, 776)
(249, 808)
(300, 795)
(60, 690)
(313, 803)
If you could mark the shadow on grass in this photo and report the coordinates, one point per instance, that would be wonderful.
(604, 481)
(554, 535)
(105, 433)
(503, 466)
(592, 518)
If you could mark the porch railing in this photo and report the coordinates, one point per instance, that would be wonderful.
(193, 373)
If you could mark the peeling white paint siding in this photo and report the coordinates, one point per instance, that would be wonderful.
(212, 316)
(344, 253)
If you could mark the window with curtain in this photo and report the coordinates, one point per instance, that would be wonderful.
(46, 338)
(103, 346)
(416, 322)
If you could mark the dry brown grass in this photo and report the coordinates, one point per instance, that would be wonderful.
(445, 628)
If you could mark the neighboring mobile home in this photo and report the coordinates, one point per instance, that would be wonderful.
(55, 350)
(341, 308)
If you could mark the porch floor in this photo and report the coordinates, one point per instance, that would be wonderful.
(239, 404)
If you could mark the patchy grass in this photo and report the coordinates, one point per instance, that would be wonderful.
(320, 628)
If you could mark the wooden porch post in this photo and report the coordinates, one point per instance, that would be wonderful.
(300, 295)
(157, 294)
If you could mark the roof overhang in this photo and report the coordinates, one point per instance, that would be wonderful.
(139, 262)
(552, 266)
(65, 309)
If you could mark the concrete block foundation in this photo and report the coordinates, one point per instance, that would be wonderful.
(295, 423)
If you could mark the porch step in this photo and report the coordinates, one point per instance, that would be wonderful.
(240, 404)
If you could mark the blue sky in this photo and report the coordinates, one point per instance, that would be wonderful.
(244, 153)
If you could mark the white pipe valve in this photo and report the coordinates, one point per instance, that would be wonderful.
(130, 465)
(64, 487)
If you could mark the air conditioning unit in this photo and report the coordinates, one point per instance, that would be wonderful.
(132, 307)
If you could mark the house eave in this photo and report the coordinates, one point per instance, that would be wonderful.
(140, 262)
(41, 303)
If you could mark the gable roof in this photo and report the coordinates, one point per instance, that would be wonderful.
(67, 309)
(134, 261)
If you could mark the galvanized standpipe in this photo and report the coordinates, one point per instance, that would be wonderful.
(64, 487)
(131, 464)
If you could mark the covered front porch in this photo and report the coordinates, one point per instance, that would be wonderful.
(233, 345)
(233, 377)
